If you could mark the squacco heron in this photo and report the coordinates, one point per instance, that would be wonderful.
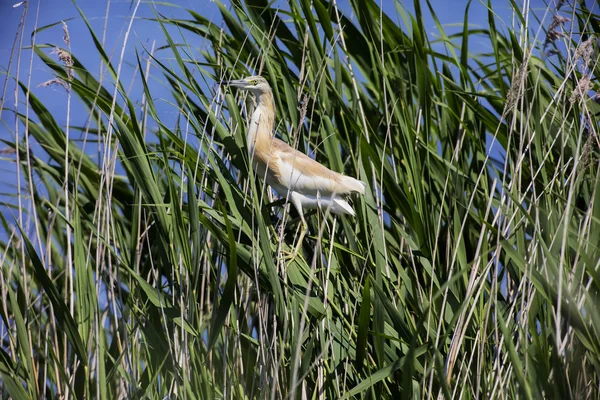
(292, 174)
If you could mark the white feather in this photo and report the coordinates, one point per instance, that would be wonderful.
(335, 204)
(295, 180)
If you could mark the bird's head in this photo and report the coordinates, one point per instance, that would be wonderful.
(255, 84)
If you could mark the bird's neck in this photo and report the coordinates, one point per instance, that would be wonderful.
(262, 123)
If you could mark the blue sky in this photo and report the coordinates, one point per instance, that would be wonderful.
(47, 12)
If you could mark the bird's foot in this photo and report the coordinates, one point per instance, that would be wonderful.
(289, 256)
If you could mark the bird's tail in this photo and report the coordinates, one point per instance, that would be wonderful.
(353, 185)
(341, 206)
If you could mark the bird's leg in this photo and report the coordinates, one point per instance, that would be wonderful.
(290, 256)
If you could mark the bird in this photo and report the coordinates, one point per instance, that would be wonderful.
(304, 182)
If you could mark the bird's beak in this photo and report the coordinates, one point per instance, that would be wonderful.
(240, 83)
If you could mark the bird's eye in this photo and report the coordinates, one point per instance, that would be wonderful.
(254, 82)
